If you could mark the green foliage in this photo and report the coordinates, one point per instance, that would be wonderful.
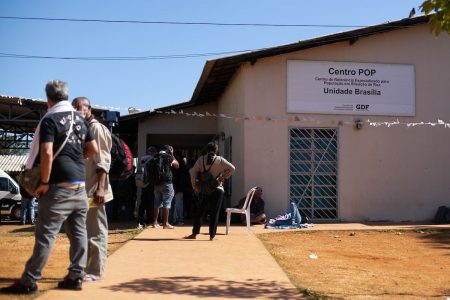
(440, 18)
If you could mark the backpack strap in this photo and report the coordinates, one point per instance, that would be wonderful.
(68, 133)
(204, 168)
(93, 120)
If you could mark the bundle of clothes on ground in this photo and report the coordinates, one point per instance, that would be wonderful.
(289, 220)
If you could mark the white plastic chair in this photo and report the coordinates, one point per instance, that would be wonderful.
(245, 210)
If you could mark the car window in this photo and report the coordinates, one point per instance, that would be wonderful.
(3, 184)
(12, 188)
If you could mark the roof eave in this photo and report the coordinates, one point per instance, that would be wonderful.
(234, 62)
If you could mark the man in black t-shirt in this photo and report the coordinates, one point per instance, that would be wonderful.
(61, 142)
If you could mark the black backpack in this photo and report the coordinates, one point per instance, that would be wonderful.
(442, 215)
(121, 160)
(158, 169)
(206, 181)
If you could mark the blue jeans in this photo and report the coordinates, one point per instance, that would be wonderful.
(292, 217)
(177, 208)
(295, 214)
(27, 205)
(163, 195)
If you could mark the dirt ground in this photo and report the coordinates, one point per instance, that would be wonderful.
(365, 264)
(322, 264)
(16, 246)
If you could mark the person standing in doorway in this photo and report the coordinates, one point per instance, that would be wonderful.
(181, 184)
(98, 191)
(163, 190)
(61, 142)
(210, 201)
(145, 211)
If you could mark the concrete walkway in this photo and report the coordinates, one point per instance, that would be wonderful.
(160, 264)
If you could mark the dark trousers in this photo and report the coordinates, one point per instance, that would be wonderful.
(211, 204)
(145, 213)
(189, 199)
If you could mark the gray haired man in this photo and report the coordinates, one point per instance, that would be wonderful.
(61, 193)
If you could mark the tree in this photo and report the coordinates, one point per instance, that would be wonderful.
(440, 18)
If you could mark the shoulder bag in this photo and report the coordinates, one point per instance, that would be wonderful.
(29, 179)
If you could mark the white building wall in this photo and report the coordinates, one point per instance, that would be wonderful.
(177, 124)
(232, 104)
(395, 173)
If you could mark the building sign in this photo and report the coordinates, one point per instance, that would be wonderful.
(327, 87)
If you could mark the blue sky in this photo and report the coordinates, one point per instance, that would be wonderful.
(148, 84)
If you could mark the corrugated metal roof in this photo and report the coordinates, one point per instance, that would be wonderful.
(21, 115)
(12, 163)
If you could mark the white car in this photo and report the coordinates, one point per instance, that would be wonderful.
(9, 196)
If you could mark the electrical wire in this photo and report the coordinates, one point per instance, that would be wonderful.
(121, 58)
(192, 23)
(173, 56)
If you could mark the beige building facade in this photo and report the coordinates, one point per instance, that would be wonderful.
(322, 162)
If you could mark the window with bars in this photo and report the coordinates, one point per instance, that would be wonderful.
(313, 171)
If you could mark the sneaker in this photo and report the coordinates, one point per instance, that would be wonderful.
(70, 284)
(90, 278)
(19, 288)
(168, 226)
(140, 226)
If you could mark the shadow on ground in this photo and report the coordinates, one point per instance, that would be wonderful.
(207, 287)
(438, 239)
(6, 280)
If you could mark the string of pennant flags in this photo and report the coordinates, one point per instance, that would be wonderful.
(305, 119)
(295, 118)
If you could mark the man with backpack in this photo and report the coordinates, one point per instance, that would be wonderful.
(160, 175)
(99, 192)
(207, 177)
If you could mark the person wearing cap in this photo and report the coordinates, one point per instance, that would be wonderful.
(257, 214)
(145, 211)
